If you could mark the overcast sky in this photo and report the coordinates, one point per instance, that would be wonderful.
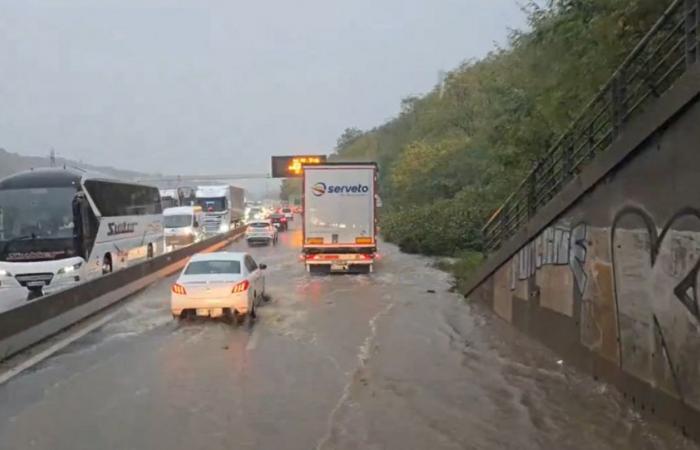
(203, 86)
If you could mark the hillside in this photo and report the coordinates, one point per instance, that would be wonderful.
(453, 155)
(13, 162)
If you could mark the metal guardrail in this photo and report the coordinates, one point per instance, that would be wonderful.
(662, 56)
(34, 321)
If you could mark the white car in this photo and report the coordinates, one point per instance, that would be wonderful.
(288, 213)
(261, 231)
(216, 284)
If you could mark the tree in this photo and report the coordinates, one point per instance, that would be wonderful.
(290, 187)
(348, 137)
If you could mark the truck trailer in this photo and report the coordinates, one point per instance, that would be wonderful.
(339, 219)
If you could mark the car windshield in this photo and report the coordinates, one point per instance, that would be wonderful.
(212, 204)
(213, 267)
(179, 221)
(286, 210)
(38, 213)
(258, 225)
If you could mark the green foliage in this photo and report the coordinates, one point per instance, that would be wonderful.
(462, 266)
(290, 186)
(452, 156)
(439, 228)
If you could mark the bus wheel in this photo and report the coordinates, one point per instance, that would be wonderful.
(149, 252)
(107, 264)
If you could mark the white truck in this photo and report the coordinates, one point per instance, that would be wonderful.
(339, 209)
(223, 207)
(169, 198)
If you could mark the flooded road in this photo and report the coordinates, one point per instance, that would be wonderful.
(387, 361)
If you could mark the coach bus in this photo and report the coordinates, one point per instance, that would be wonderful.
(59, 227)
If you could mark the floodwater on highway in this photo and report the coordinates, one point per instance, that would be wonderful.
(333, 362)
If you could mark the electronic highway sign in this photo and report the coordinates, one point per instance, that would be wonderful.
(292, 166)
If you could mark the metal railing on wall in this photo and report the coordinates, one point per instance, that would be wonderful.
(661, 57)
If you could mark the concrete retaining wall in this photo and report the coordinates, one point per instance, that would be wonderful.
(607, 274)
(30, 323)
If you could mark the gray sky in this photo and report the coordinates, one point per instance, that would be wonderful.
(212, 86)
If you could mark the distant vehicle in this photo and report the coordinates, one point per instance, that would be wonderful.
(219, 284)
(339, 204)
(223, 206)
(181, 196)
(182, 225)
(261, 232)
(59, 227)
(288, 213)
(169, 198)
(279, 221)
(255, 213)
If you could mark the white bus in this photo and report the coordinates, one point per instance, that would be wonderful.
(59, 227)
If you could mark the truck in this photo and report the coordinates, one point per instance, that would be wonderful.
(339, 201)
(169, 198)
(223, 207)
(182, 226)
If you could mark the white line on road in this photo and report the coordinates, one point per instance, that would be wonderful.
(363, 356)
(63, 343)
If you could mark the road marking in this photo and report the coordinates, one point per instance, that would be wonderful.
(363, 356)
(63, 343)
(253, 342)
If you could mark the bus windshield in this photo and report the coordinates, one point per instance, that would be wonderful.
(215, 204)
(37, 224)
(38, 213)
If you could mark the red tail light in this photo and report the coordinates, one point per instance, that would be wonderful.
(240, 287)
(283, 219)
(179, 289)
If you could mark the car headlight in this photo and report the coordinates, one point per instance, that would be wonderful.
(69, 269)
(5, 273)
(223, 227)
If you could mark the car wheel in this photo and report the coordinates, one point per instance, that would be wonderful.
(252, 314)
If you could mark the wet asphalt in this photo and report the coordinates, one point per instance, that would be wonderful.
(332, 362)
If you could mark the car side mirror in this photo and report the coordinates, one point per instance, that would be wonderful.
(262, 266)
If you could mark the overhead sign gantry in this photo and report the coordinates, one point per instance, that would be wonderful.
(292, 166)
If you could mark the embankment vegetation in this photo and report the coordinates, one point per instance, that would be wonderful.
(453, 155)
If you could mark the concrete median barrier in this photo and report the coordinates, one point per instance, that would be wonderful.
(35, 321)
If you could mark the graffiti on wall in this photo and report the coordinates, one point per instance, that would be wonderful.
(558, 245)
(656, 295)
